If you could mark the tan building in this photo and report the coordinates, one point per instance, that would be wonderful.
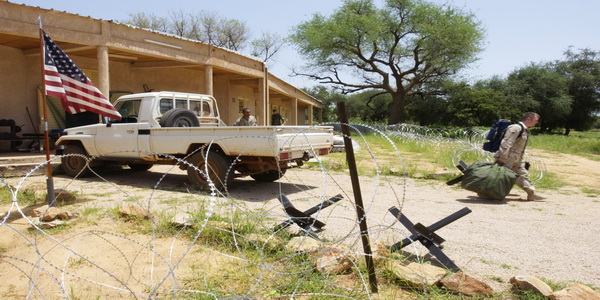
(121, 59)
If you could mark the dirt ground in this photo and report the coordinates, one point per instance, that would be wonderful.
(555, 239)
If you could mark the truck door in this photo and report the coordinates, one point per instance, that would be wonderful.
(120, 139)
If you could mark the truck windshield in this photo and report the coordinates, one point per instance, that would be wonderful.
(129, 108)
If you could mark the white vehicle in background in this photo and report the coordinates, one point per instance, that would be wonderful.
(186, 130)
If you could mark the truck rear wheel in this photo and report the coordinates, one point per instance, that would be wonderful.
(75, 161)
(219, 169)
(268, 176)
(179, 117)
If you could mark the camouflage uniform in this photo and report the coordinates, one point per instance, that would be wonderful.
(512, 151)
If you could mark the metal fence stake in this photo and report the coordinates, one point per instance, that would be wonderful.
(360, 210)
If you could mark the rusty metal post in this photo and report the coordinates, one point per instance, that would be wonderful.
(360, 210)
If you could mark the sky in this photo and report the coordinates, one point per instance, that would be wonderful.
(517, 32)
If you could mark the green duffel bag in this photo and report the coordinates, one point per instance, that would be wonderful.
(489, 179)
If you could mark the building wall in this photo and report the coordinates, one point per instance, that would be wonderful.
(19, 79)
(242, 97)
(125, 77)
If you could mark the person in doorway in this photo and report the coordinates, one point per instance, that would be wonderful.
(247, 119)
(512, 151)
(276, 118)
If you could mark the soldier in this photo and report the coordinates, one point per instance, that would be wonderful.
(512, 151)
(276, 118)
(246, 120)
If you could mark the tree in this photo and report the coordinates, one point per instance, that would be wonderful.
(330, 97)
(427, 110)
(582, 70)
(207, 28)
(368, 106)
(473, 107)
(399, 50)
(233, 34)
(185, 25)
(266, 47)
(148, 21)
(539, 88)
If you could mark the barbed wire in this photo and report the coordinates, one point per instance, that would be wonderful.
(179, 261)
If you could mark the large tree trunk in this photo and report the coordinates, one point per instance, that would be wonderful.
(397, 110)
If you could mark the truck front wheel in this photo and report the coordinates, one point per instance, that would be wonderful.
(268, 176)
(75, 161)
(219, 170)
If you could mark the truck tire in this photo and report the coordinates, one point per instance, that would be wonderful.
(140, 167)
(75, 164)
(219, 170)
(268, 176)
(179, 117)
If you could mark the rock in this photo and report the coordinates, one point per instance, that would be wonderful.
(37, 212)
(47, 225)
(50, 214)
(575, 292)
(182, 219)
(331, 261)
(303, 244)
(464, 284)
(418, 176)
(51, 224)
(414, 274)
(531, 283)
(133, 211)
(66, 215)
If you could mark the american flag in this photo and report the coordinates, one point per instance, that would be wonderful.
(63, 79)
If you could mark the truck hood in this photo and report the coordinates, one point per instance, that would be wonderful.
(87, 129)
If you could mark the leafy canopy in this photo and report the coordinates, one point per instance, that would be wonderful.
(399, 49)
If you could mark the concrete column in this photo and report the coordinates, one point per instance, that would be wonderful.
(103, 83)
(310, 114)
(266, 104)
(208, 80)
(263, 100)
(294, 111)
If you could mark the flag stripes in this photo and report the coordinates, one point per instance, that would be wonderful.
(63, 79)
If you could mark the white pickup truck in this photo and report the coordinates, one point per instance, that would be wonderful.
(186, 130)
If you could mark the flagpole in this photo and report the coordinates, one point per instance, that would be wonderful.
(49, 179)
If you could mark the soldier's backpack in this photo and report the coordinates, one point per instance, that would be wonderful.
(488, 179)
(496, 134)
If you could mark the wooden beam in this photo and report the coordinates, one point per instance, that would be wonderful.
(253, 81)
(162, 65)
